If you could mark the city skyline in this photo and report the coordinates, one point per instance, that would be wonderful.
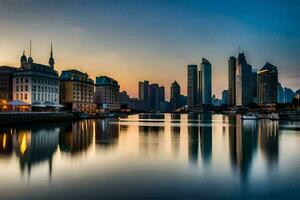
(142, 48)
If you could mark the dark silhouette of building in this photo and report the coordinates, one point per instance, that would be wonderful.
(175, 96)
(231, 81)
(267, 84)
(205, 82)
(243, 82)
(144, 95)
(154, 96)
(192, 86)
(6, 83)
(254, 86)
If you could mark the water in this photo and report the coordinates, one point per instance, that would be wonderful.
(151, 156)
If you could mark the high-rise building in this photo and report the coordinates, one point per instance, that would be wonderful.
(231, 81)
(243, 81)
(175, 96)
(6, 83)
(254, 86)
(192, 88)
(77, 91)
(36, 84)
(206, 78)
(144, 95)
(288, 95)
(225, 97)
(161, 95)
(107, 93)
(267, 84)
(280, 93)
(154, 96)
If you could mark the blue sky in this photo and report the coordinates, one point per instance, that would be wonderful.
(133, 40)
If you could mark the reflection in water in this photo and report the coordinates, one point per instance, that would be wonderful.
(268, 133)
(175, 132)
(206, 138)
(253, 148)
(193, 138)
(35, 145)
(76, 137)
(107, 133)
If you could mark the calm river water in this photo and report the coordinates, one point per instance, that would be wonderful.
(152, 157)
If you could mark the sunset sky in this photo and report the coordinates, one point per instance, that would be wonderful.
(132, 40)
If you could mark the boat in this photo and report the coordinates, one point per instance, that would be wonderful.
(274, 116)
(249, 116)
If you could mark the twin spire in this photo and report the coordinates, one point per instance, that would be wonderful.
(30, 60)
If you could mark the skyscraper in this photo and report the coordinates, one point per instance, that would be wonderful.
(225, 97)
(280, 93)
(254, 86)
(175, 96)
(288, 95)
(205, 81)
(231, 80)
(243, 81)
(161, 95)
(154, 96)
(192, 88)
(267, 84)
(144, 95)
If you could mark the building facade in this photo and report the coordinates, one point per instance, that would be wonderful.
(77, 91)
(144, 95)
(254, 86)
(107, 94)
(268, 84)
(231, 81)
(36, 84)
(206, 79)
(175, 96)
(154, 96)
(6, 83)
(243, 82)
(192, 86)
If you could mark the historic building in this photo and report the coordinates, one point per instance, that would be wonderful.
(36, 84)
(77, 91)
(107, 93)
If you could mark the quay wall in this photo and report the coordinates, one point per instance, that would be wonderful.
(26, 117)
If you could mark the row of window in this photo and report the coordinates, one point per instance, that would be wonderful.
(37, 97)
(37, 80)
(37, 88)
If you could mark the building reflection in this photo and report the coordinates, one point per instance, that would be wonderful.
(206, 138)
(6, 142)
(242, 144)
(76, 137)
(107, 132)
(268, 134)
(193, 137)
(149, 132)
(36, 145)
(175, 132)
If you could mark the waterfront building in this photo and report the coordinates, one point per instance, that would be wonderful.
(6, 83)
(267, 84)
(161, 94)
(154, 96)
(164, 106)
(192, 88)
(225, 97)
(107, 93)
(280, 93)
(231, 81)
(288, 95)
(144, 95)
(254, 86)
(206, 78)
(175, 96)
(36, 84)
(243, 82)
(77, 91)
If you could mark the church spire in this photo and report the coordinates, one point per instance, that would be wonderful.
(30, 60)
(51, 59)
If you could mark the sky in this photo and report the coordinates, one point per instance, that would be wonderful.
(155, 40)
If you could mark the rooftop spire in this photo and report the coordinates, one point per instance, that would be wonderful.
(51, 53)
(51, 59)
(30, 49)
